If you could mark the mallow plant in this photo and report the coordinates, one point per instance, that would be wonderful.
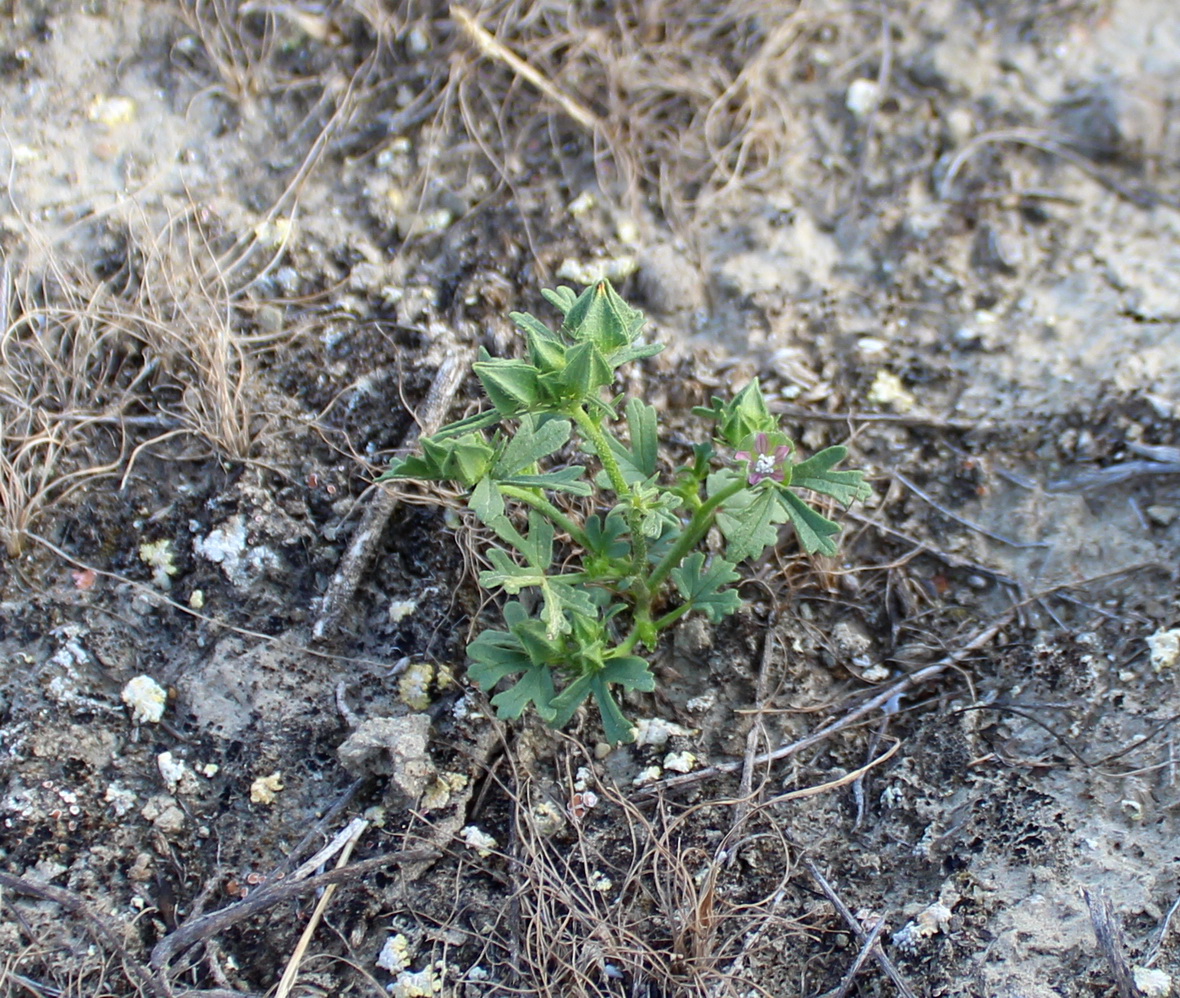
(601, 539)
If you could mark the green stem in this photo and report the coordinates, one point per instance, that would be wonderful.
(598, 440)
(670, 618)
(698, 526)
(543, 505)
(627, 645)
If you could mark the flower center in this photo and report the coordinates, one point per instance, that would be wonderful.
(764, 465)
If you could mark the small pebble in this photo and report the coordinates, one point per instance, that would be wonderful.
(863, 97)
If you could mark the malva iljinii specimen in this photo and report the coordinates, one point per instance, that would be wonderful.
(606, 557)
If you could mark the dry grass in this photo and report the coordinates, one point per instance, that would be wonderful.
(64, 381)
(93, 372)
(694, 103)
(631, 898)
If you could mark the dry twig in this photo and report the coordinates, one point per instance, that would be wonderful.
(494, 50)
(345, 842)
(103, 933)
(1109, 934)
(858, 930)
(866, 950)
(267, 896)
(756, 733)
(926, 497)
(363, 546)
(890, 693)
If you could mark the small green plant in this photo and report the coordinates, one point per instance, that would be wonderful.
(604, 559)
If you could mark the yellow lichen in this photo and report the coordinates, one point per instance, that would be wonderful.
(265, 789)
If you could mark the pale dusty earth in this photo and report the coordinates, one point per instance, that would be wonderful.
(237, 242)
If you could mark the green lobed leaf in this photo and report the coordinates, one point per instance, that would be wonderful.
(631, 673)
(569, 700)
(507, 574)
(817, 475)
(615, 726)
(495, 655)
(560, 298)
(641, 421)
(536, 687)
(537, 436)
(749, 520)
(540, 648)
(486, 501)
(703, 587)
(606, 536)
(814, 529)
(562, 480)
(510, 384)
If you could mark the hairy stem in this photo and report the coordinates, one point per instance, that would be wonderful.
(544, 506)
(697, 527)
(598, 440)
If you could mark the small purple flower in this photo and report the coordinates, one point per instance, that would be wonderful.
(764, 463)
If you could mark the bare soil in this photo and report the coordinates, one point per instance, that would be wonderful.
(238, 240)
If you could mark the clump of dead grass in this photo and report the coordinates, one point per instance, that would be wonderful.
(692, 102)
(63, 389)
(94, 370)
(633, 900)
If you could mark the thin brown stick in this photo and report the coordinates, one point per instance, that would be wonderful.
(756, 733)
(348, 839)
(100, 929)
(896, 690)
(363, 547)
(946, 557)
(494, 50)
(865, 951)
(843, 781)
(950, 515)
(858, 930)
(268, 895)
(1109, 934)
(894, 419)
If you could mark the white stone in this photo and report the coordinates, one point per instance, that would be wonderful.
(395, 954)
(1165, 649)
(863, 97)
(655, 731)
(1152, 983)
(146, 698)
(479, 840)
(680, 762)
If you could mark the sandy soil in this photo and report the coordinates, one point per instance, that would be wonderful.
(237, 241)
